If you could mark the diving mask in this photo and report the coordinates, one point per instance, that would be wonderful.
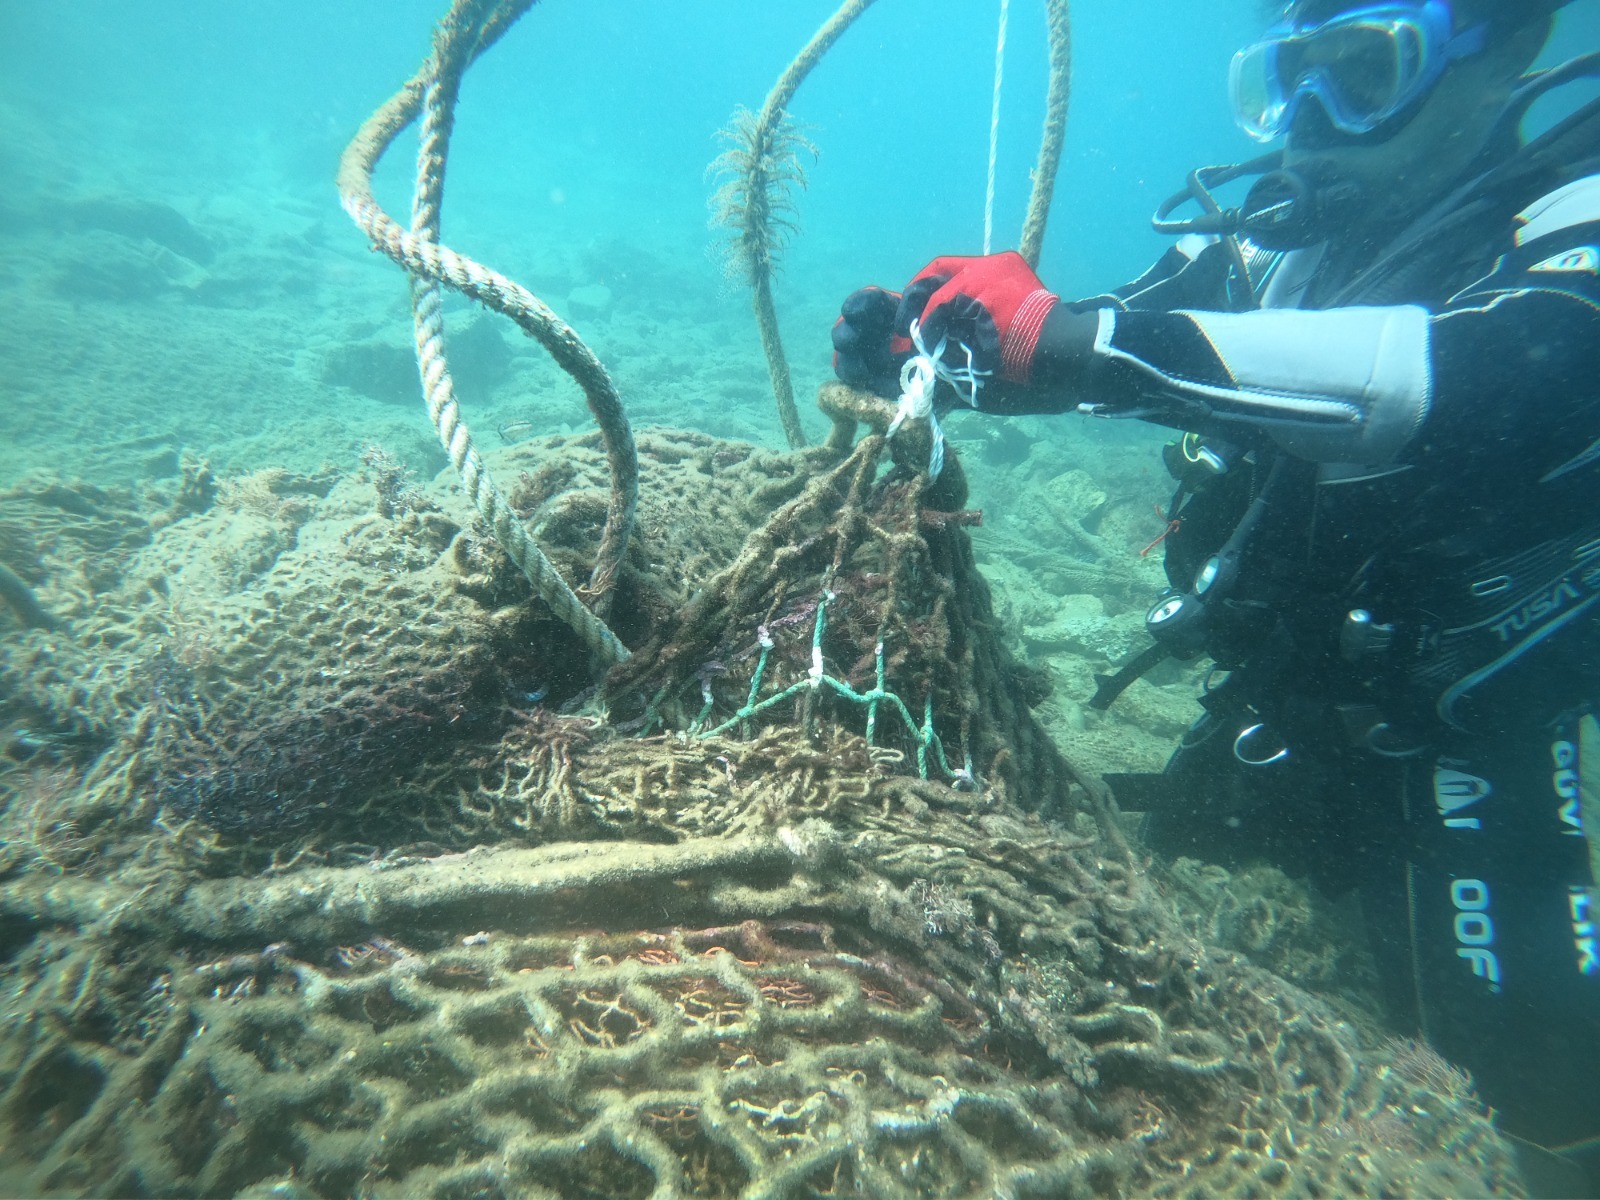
(1363, 66)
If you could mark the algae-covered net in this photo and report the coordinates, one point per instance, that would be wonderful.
(400, 929)
(334, 867)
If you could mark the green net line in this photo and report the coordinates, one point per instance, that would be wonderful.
(923, 735)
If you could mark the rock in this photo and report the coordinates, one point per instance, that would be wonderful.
(477, 351)
(141, 220)
(592, 301)
(1165, 711)
(1080, 625)
(479, 354)
(382, 370)
(1078, 495)
(105, 266)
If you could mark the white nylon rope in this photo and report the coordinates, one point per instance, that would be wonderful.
(919, 377)
(994, 126)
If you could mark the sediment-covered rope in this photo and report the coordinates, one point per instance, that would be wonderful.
(767, 134)
(821, 42)
(467, 31)
(1055, 131)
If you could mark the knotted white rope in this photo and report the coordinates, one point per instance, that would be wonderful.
(994, 127)
(919, 379)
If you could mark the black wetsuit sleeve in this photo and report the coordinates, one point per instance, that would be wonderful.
(1505, 375)
(1516, 366)
(1191, 274)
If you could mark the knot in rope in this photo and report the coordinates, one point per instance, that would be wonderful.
(919, 379)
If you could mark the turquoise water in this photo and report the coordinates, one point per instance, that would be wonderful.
(580, 158)
(179, 283)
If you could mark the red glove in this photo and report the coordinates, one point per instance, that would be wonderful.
(994, 305)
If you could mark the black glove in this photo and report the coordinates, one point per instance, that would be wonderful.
(868, 349)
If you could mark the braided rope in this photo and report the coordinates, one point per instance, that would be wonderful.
(467, 31)
(1055, 130)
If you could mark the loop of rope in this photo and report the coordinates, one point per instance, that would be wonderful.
(470, 28)
(466, 32)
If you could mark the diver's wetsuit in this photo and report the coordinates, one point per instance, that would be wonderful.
(1432, 753)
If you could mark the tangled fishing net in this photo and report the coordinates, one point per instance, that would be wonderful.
(334, 866)
(399, 928)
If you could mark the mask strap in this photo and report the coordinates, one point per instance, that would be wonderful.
(1470, 41)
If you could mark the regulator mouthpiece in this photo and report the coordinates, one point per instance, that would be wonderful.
(1295, 207)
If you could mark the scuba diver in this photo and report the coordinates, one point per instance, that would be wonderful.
(1385, 364)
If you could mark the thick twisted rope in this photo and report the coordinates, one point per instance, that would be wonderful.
(1055, 131)
(768, 129)
(821, 42)
(470, 28)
